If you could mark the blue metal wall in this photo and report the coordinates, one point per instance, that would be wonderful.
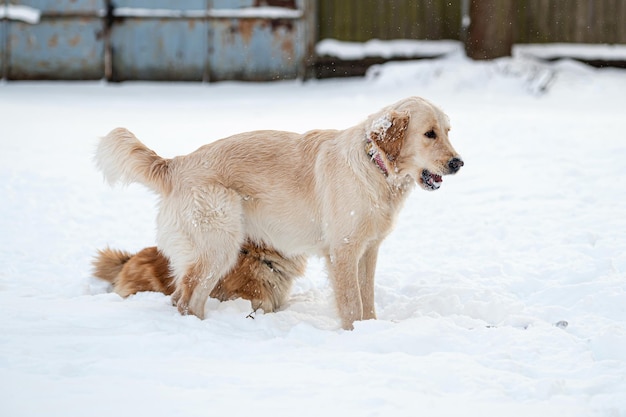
(184, 40)
(67, 42)
(236, 43)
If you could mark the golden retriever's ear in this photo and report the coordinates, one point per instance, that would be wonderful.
(388, 133)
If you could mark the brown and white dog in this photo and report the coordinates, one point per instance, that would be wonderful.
(261, 275)
(330, 193)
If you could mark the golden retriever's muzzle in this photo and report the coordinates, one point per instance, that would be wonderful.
(432, 182)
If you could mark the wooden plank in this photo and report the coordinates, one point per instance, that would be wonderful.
(598, 22)
(541, 16)
(322, 17)
(3, 53)
(399, 21)
(581, 19)
(521, 27)
(611, 24)
(621, 17)
(490, 34)
(343, 19)
(363, 25)
(430, 20)
(564, 29)
(452, 19)
(410, 15)
(384, 17)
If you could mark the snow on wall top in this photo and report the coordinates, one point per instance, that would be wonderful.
(32, 15)
(22, 13)
(386, 49)
(246, 12)
(571, 50)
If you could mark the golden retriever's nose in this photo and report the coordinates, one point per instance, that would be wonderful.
(455, 164)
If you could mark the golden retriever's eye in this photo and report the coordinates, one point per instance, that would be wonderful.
(431, 134)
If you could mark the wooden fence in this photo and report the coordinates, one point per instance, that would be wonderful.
(588, 21)
(361, 20)
(534, 21)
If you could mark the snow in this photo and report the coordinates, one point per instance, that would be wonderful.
(386, 48)
(32, 15)
(472, 287)
(156, 13)
(608, 52)
(381, 124)
(267, 12)
(403, 48)
(23, 13)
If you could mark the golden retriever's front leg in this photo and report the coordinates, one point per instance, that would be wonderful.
(343, 273)
(367, 270)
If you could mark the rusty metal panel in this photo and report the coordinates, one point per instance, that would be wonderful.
(259, 40)
(159, 40)
(60, 48)
(255, 49)
(159, 49)
(49, 7)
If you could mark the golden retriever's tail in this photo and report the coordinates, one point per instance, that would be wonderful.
(108, 264)
(123, 158)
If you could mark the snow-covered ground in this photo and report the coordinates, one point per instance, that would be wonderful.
(501, 294)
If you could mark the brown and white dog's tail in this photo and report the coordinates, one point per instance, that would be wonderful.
(108, 264)
(147, 270)
(123, 158)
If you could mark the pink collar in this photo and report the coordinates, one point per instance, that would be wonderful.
(375, 156)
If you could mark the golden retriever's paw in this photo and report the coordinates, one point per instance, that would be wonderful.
(175, 297)
(181, 302)
(183, 308)
(265, 306)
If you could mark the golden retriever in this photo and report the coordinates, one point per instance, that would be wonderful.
(330, 193)
(261, 275)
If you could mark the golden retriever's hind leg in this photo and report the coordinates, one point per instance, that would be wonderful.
(215, 233)
(184, 290)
